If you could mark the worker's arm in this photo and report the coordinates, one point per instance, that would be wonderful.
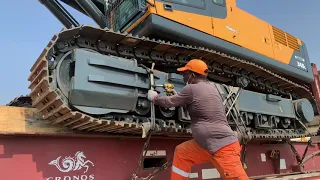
(182, 98)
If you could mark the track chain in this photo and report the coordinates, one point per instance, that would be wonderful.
(51, 103)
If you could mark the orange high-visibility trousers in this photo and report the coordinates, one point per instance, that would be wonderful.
(226, 161)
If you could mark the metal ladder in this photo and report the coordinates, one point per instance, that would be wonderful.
(229, 103)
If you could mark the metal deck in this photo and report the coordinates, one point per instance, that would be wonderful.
(33, 147)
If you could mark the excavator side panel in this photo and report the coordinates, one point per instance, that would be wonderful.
(194, 14)
(221, 25)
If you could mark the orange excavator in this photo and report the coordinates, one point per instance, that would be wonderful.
(95, 80)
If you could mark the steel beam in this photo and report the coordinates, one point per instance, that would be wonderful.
(60, 13)
(93, 11)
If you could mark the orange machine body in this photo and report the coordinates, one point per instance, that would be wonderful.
(221, 25)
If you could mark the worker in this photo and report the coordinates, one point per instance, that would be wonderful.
(213, 139)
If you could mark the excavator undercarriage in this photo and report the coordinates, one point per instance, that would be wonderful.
(90, 79)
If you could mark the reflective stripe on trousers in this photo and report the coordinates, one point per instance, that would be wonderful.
(226, 161)
(180, 172)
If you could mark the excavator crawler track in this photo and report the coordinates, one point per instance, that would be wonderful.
(51, 103)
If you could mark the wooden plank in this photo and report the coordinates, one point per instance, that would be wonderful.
(21, 121)
(26, 120)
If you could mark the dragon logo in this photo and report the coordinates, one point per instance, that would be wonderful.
(72, 163)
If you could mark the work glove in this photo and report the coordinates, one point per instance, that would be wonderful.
(151, 95)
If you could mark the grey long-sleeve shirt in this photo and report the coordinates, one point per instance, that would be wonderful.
(209, 124)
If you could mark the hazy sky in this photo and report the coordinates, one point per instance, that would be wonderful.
(27, 26)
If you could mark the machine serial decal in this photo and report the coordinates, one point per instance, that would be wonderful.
(231, 29)
(299, 58)
(301, 65)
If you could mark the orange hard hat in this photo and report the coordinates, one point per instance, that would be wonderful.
(197, 66)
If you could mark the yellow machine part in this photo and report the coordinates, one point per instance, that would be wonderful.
(244, 30)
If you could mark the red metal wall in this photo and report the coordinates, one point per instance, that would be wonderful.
(28, 157)
(316, 85)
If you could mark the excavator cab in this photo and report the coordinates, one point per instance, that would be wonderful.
(116, 15)
(121, 15)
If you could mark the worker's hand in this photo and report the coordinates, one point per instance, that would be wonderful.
(152, 94)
